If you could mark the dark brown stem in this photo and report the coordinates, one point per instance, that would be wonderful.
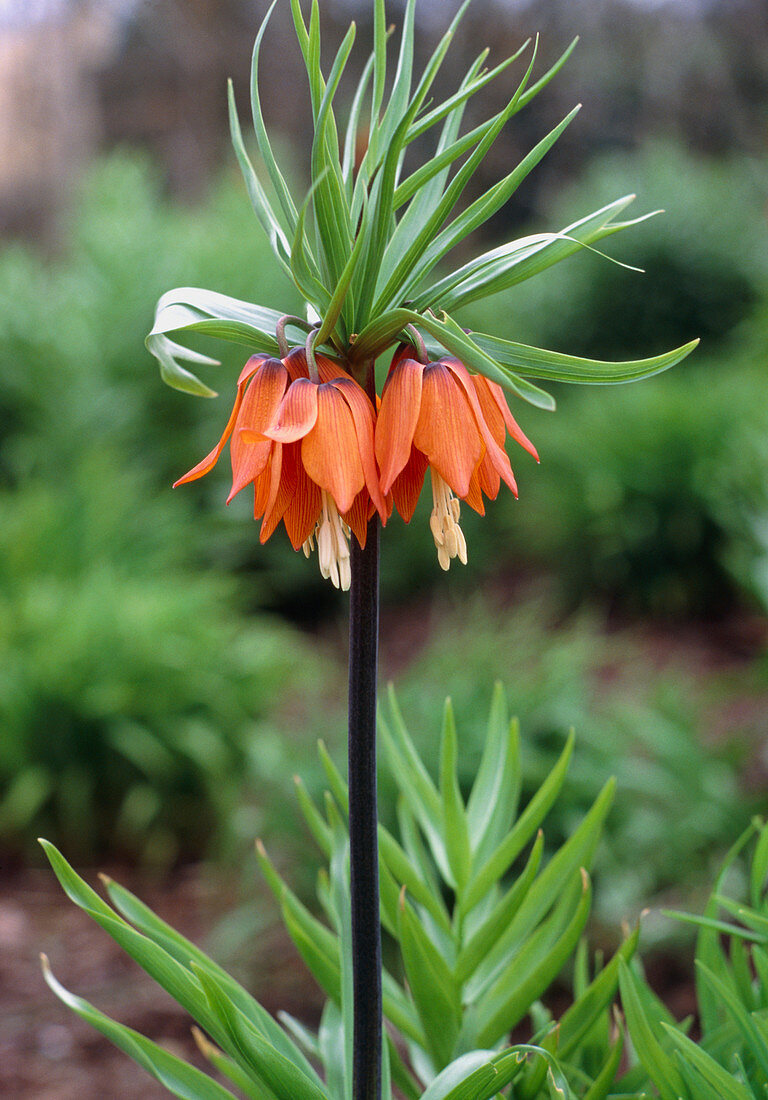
(363, 823)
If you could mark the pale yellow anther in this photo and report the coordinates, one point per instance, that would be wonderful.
(444, 523)
(332, 536)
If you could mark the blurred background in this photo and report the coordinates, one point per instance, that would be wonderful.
(161, 673)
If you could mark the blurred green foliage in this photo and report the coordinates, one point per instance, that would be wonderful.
(133, 693)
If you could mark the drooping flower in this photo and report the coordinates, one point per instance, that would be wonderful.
(307, 447)
(440, 417)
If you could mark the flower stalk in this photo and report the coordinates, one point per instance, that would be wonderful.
(363, 814)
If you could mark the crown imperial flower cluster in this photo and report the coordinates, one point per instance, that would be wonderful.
(323, 452)
(322, 461)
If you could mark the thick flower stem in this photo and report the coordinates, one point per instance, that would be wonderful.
(363, 826)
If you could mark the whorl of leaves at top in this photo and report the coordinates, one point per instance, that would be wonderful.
(363, 246)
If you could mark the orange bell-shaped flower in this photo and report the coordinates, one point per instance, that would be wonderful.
(439, 416)
(307, 447)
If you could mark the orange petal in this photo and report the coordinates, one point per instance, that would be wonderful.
(407, 485)
(328, 369)
(474, 497)
(488, 478)
(364, 419)
(302, 513)
(496, 453)
(261, 490)
(497, 395)
(250, 450)
(397, 419)
(282, 486)
(295, 363)
(296, 414)
(330, 451)
(446, 431)
(212, 458)
(358, 515)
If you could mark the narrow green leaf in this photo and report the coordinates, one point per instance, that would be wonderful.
(577, 1020)
(254, 1051)
(304, 270)
(660, 1067)
(548, 75)
(726, 1086)
(401, 85)
(331, 210)
(454, 816)
(517, 260)
(262, 137)
(313, 817)
(175, 978)
(353, 131)
(471, 84)
(392, 857)
(503, 1007)
(432, 987)
(489, 203)
(278, 241)
(493, 800)
(758, 877)
(498, 920)
(392, 287)
(341, 291)
(230, 1069)
(465, 1078)
(175, 1075)
(331, 1044)
(557, 367)
(547, 890)
(343, 906)
(604, 1083)
(526, 825)
(756, 1043)
(184, 951)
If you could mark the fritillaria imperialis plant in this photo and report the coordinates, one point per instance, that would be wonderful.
(368, 249)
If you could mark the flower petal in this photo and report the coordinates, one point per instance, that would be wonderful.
(295, 363)
(407, 485)
(330, 451)
(296, 414)
(496, 453)
(364, 420)
(250, 449)
(397, 419)
(329, 370)
(282, 486)
(302, 513)
(497, 395)
(447, 431)
(358, 515)
(212, 458)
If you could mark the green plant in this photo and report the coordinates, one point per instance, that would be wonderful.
(635, 723)
(730, 1060)
(477, 945)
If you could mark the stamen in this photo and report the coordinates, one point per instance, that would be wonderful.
(444, 523)
(332, 536)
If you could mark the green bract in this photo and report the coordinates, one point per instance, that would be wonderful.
(363, 247)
